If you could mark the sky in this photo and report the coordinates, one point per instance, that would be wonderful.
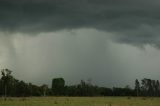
(109, 42)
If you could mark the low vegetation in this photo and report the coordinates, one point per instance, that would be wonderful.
(81, 101)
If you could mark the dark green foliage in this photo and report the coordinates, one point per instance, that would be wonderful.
(150, 87)
(105, 91)
(44, 89)
(58, 86)
(123, 92)
(6, 80)
(137, 87)
(9, 86)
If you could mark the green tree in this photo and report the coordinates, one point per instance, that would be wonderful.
(137, 87)
(44, 89)
(6, 78)
(58, 85)
(157, 85)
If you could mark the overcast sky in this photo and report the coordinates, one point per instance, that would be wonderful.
(111, 42)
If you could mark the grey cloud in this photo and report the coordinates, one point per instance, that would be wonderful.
(140, 37)
(135, 22)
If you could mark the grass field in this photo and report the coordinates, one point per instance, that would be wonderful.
(81, 101)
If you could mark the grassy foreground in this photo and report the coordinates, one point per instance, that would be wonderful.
(81, 101)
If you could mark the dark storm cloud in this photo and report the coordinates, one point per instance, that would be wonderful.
(35, 15)
(136, 22)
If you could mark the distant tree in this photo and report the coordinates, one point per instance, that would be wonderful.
(144, 87)
(150, 87)
(58, 85)
(157, 88)
(153, 83)
(9, 86)
(6, 78)
(103, 91)
(44, 89)
(137, 87)
(1, 87)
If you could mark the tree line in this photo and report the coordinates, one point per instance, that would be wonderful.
(12, 87)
